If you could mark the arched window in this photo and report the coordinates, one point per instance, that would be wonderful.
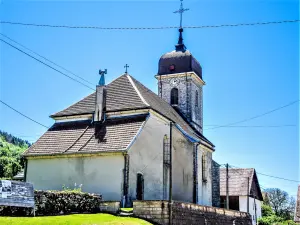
(140, 187)
(204, 178)
(196, 99)
(174, 96)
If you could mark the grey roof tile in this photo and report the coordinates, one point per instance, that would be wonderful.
(238, 182)
(83, 137)
(121, 95)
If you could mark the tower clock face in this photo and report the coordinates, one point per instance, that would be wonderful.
(174, 82)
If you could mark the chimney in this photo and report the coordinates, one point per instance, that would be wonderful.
(100, 98)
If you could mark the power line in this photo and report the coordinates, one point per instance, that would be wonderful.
(255, 126)
(46, 64)
(281, 178)
(254, 117)
(46, 59)
(149, 28)
(23, 114)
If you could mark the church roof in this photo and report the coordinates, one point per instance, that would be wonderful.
(297, 210)
(86, 137)
(238, 183)
(126, 93)
(183, 61)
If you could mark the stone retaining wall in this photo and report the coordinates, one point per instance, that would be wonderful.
(109, 207)
(188, 213)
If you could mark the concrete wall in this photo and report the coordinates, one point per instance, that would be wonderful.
(97, 174)
(183, 180)
(205, 188)
(243, 207)
(146, 157)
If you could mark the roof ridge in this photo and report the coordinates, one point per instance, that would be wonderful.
(137, 90)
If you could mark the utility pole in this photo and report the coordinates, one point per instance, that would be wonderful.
(227, 187)
(248, 194)
(170, 177)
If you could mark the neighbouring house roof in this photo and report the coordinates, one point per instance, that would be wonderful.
(86, 137)
(238, 183)
(297, 210)
(126, 93)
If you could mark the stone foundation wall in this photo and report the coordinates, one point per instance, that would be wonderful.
(192, 214)
(153, 211)
(109, 207)
(188, 213)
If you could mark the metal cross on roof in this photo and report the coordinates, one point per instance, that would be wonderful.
(181, 11)
(126, 66)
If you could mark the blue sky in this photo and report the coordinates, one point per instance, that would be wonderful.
(248, 70)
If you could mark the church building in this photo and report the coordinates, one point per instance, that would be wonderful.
(124, 141)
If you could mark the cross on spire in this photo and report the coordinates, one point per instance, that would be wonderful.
(181, 11)
(180, 46)
(126, 66)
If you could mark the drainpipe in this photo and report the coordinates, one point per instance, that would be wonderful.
(25, 169)
(125, 178)
(196, 173)
(170, 178)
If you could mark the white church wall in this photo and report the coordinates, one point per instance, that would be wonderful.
(204, 187)
(252, 205)
(97, 174)
(182, 167)
(146, 157)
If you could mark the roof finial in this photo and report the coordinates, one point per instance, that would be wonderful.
(180, 46)
(102, 78)
(126, 66)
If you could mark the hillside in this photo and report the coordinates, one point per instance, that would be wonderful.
(11, 149)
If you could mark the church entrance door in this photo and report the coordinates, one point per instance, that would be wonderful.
(140, 187)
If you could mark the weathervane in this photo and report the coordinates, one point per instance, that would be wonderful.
(180, 46)
(102, 79)
(126, 66)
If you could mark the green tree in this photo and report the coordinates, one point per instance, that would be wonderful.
(11, 149)
(282, 204)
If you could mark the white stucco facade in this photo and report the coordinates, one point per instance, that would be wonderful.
(97, 174)
(204, 185)
(146, 157)
(182, 168)
(103, 173)
(254, 207)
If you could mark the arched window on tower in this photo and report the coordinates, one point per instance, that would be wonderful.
(174, 96)
(196, 99)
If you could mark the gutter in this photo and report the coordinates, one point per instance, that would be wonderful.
(192, 139)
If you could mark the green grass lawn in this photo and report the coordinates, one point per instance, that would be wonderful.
(86, 219)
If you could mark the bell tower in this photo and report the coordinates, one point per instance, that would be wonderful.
(180, 81)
